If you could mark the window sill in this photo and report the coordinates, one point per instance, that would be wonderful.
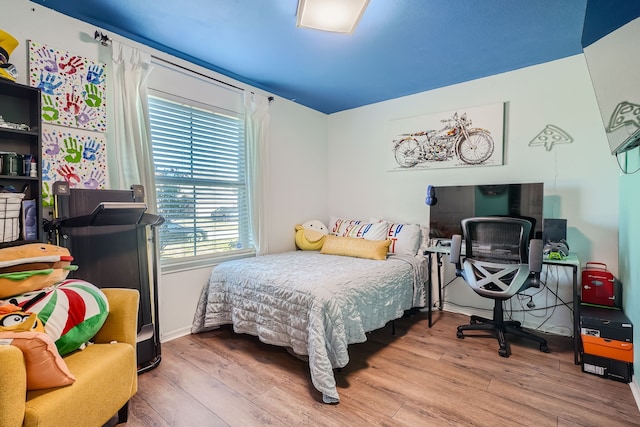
(194, 263)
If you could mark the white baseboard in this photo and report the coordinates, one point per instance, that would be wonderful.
(177, 333)
(635, 389)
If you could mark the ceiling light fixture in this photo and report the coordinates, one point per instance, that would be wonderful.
(340, 16)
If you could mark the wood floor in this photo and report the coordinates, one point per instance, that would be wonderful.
(417, 377)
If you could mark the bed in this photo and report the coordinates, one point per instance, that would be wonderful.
(313, 303)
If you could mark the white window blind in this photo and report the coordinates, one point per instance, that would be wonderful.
(199, 157)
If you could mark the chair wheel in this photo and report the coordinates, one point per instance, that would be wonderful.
(503, 352)
(459, 335)
(544, 348)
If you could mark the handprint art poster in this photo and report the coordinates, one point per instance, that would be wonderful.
(73, 88)
(72, 155)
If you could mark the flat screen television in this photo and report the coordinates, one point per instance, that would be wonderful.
(454, 203)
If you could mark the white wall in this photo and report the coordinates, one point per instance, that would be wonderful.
(580, 178)
(297, 185)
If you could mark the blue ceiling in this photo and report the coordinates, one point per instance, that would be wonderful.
(400, 47)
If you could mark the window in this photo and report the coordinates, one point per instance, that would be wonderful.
(201, 187)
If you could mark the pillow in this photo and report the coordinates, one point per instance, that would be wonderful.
(405, 238)
(310, 235)
(45, 367)
(425, 241)
(375, 230)
(356, 247)
(72, 312)
(32, 266)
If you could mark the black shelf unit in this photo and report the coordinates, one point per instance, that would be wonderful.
(20, 104)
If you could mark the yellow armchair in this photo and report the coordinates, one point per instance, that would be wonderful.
(106, 376)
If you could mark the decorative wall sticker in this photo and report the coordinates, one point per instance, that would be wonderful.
(550, 135)
(625, 114)
(76, 156)
(459, 138)
(73, 88)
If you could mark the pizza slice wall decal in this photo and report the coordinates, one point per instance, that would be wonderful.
(549, 136)
(626, 113)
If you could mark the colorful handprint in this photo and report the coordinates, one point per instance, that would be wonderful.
(49, 83)
(73, 103)
(46, 170)
(49, 111)
(73, 149)
(69, 174)
(95, 75)
(72, 65)
(48, 59)
(86, 115)
(96, 180)
(51, 142)
(92, 95)
(90, 150)
(47, 195)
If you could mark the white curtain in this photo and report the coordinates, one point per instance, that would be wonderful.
(257, 133)
(131, 160)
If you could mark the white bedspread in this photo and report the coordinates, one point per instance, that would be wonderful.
(315, 304)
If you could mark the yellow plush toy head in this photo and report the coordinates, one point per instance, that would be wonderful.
(310, 235)
(13, 318)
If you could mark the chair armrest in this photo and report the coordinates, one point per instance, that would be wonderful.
(13, 386)
(122, 323)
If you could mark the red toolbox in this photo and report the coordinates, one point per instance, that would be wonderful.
(599, 286)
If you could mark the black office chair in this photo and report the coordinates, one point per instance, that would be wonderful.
(499, 261)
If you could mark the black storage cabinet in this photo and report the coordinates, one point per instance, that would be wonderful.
(109, 246)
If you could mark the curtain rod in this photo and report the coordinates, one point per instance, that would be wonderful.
(195, 72)
(105, 40)
(269, 98)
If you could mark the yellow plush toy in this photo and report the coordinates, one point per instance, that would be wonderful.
(14, 318)
(310, 235)
(7, 44)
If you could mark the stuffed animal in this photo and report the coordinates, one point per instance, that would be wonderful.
(16, 319)
(7, 44)
(24, 330)
(310, 235)
(31, 267)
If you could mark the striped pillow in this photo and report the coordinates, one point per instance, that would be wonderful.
(72, 312)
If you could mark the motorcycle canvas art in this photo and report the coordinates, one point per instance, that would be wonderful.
(456, 143)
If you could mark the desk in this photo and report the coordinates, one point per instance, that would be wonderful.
(571, 261)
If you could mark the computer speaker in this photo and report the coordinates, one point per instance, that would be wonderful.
(456, 248)
(431, 196)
